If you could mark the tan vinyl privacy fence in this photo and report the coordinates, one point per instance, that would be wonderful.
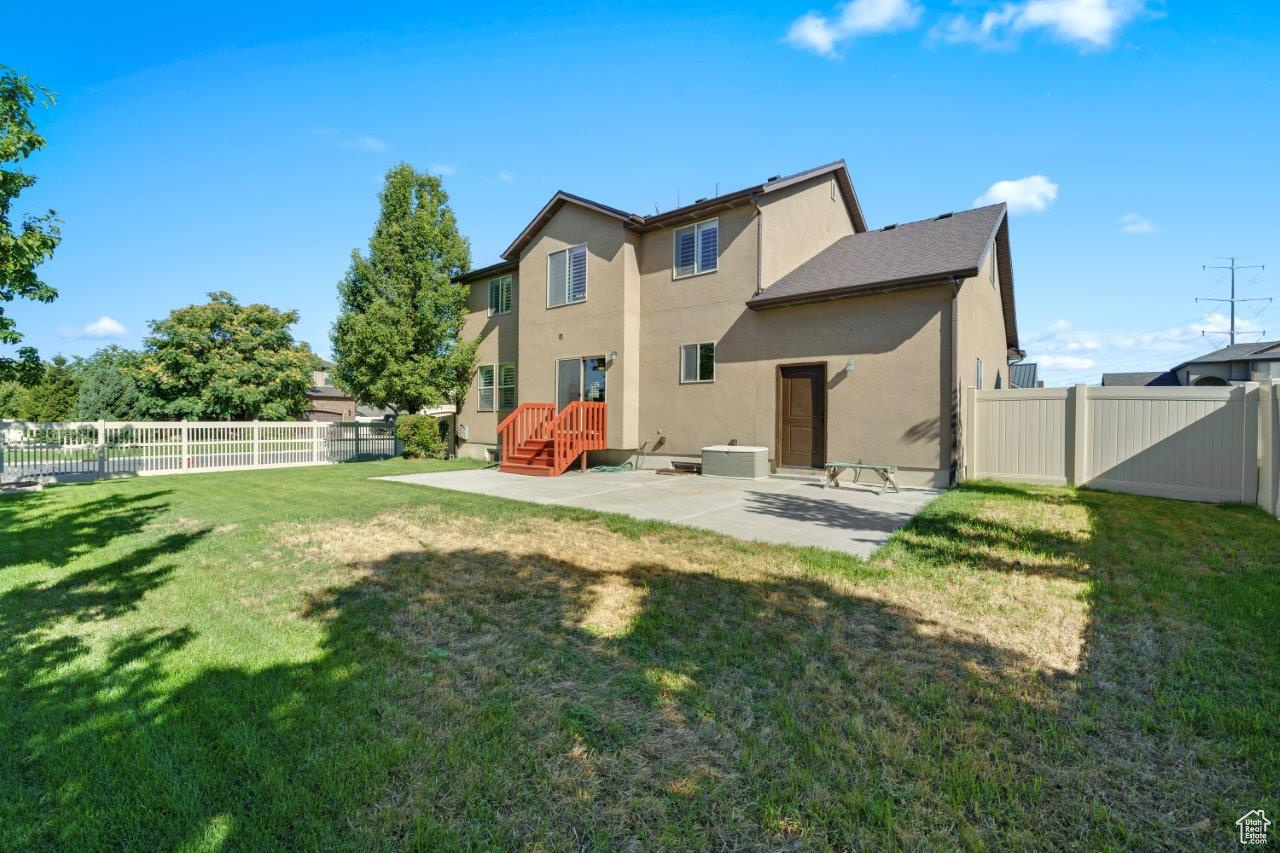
(1201, 443)
(95, 450)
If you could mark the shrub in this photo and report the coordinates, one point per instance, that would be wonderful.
(421, 435)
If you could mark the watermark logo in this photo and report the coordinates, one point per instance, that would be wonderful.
(1253, 827)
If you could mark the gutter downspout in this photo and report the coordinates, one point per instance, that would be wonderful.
(759, 242)
(955, 380)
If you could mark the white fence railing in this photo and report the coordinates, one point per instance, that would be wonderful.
(1199, 443)
(103, 449)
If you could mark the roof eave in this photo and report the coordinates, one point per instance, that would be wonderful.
(930, 280)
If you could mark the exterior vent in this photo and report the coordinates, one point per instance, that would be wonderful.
(772, 178)
(889, 227)
(699, 200)
(945, 216)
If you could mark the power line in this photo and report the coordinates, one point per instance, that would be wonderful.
(1234, 268)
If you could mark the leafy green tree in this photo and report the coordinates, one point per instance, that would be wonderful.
(109, 387)
(54, 397)
(396, 339)
(24, 248)
(14, 400)
(226, 361)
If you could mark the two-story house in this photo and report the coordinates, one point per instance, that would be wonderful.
(769, 316)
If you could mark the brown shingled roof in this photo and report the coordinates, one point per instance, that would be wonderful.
(914, 254)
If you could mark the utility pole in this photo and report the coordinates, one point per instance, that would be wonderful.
(1234, 268)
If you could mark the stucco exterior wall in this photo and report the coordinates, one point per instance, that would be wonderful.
(799, 222)
(499, 337)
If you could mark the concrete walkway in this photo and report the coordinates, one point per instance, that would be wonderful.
(853, 519)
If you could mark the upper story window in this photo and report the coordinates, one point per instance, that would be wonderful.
(697, 248)
(500, 295)
(567, 276)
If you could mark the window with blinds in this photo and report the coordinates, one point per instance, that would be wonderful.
(567, 276)
(484, 388)
(697, 248)
(506, 386)
(500, 295)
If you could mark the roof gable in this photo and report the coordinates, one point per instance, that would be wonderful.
(700, 208)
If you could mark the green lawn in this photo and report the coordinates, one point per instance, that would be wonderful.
(308, 658)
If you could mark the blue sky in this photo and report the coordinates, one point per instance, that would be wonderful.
(241, 149)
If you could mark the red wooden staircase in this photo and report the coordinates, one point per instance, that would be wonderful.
(538, 441)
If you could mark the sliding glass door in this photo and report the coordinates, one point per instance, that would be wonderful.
(580, 379)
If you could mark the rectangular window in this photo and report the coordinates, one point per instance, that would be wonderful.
(484, 386)
(500, 295)
(506, 386)
(697, 248)
(979, 375)
(698, 362)
(567, 276)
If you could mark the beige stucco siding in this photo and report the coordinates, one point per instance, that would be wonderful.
(499, 343)
(799, 222)
(594, 327)
(980, 316)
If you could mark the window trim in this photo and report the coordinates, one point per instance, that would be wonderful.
(586, 276)
(481, 387)
(699, 344)
(511, 293)
(499, 387)
(697, 249)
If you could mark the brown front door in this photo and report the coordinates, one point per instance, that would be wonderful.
(802, 415)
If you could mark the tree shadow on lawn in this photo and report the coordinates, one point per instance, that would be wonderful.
(51, 529)
(464, 697)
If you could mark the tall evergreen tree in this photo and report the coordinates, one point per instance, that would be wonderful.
(109, 388)
(396, 340)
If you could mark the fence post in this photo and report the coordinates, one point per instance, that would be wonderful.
(257, 444)
(185, 462)
(356, 428)
(969, 435)
(1267, 447)
(1078, 473)
(102, 449)
(1249, 395)
(315, 441)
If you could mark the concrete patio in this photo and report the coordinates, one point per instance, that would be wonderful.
(789, 511)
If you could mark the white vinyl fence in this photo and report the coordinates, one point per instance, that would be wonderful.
(1200, 443)
(95, 450)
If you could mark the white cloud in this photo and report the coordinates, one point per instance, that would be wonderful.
(1031, 194)
(366, 143)
(1089, 24)
(1067, 355)
(1134, 223)
(103, 327)
(819, 34)
(442, 169)
(506, 177)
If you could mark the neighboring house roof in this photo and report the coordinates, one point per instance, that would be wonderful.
(326, 391)
(1255, 351)
(1150, 378)
(1024, 374)
(325, 365)
(897, 257)
(701, 207)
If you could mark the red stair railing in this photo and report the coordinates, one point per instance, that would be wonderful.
(579, 427)
(529, 421)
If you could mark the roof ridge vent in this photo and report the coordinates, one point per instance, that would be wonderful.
(889, 227)
(772, 178)
(946, 215)
(699, 200)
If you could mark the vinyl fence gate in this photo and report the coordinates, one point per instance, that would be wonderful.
(1199, 443)
(97, 450)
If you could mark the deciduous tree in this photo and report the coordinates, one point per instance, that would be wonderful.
(25, 246)
(227, 361)
(396, 339)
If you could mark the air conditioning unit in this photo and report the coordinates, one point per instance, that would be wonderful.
(735, 460)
